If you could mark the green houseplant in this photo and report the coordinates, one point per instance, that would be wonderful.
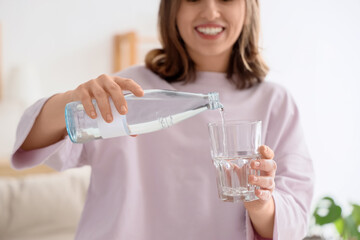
(328, 212)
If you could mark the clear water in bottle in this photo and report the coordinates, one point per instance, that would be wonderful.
(156, 110)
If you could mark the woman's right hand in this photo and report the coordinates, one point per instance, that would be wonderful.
(100, 89)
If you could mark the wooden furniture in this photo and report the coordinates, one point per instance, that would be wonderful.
(7, 171)
(130, 48)
(125, 50)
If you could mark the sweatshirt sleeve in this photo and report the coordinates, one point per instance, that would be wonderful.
(294, 178)
(59, 156)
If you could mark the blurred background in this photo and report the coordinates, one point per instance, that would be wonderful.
(311, 46)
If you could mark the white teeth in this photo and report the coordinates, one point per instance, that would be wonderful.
(210, 30)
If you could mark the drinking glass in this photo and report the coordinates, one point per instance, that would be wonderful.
(234, 144)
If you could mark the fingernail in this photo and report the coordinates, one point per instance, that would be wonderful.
(257, 163)
(255, 179)
(123, 109)
(266, 149)
(93, 114)
(108, 117)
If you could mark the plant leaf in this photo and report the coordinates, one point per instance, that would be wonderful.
(350, 228)
(333, 212)
(356, 214)
(339, 224)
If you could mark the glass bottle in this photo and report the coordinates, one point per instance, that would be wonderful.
(156, 110)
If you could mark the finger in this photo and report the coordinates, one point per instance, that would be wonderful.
(130, 85)
(86, 101)
(117, 96)
(114, 90)
(266, 152)
(263, 182)
(102, 100)
(228, 173)
(264, 195)
(265, 165)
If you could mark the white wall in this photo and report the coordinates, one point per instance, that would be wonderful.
(53, 46)
(312, 47)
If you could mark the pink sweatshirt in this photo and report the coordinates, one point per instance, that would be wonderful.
(162, 185)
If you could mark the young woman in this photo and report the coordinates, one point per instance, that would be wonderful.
(162, 185)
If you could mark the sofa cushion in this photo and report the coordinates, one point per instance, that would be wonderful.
(43, 206)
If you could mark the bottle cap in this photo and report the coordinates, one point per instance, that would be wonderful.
(214, 102)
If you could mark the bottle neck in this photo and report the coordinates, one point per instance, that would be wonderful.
(214, 102)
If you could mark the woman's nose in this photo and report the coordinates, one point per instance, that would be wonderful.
(210, 10)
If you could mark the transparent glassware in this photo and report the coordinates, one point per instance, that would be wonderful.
(234, 144)
(156, 110)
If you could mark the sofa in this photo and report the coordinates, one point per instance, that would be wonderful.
(42, 206)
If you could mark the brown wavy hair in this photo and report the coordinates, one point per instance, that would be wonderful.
(174, 64)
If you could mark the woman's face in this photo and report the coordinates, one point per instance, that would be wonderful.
(210, 28)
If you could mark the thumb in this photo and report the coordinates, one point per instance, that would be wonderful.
(266, 152)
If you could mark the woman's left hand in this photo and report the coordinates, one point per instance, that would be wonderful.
(266, 180)
(262, 211)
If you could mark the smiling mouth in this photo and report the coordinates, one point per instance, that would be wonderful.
(211, 31)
